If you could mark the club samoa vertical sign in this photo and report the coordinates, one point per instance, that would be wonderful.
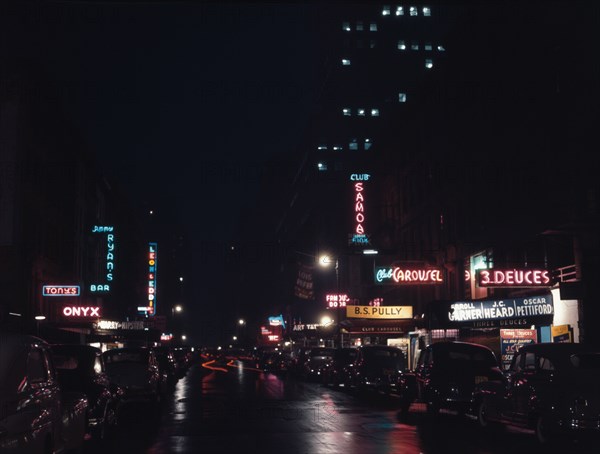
(359, 182)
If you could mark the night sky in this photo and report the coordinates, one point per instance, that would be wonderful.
(182, 103)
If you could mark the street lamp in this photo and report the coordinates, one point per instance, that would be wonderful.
(326, 260)
(38, 319)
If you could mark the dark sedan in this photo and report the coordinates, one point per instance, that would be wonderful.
(448, 371)
(81, 368)
(332, 372)
(550, 388)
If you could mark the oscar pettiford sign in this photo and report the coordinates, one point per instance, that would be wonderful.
(380, 312)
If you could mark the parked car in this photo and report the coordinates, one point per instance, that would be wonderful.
(377, 368)
(316, 359)
(551, 388)
(135, 369)
(167, 366)
(81, 368)
(448, 371)
(332, 371)
(36, 414)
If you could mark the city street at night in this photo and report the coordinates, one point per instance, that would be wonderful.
(231, 407)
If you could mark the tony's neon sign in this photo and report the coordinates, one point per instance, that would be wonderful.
(60, 290)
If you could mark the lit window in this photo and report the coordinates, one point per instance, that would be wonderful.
(426, 11)
(400, 11)
(414, 47)
(401, 97)
(353, 145)
(346, 26)
(361, 112)
(347, 112)
(345, 62)
(337, 148)
(401, 44)
(441, 48)
(428, 63)
(414, 11)
(368, 144)
(359, 26)
(322, 147)
(373, 27)
(374, 112)
(322, 166)
(428, 46)
(386, 11)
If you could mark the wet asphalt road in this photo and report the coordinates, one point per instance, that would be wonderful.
(235, 408)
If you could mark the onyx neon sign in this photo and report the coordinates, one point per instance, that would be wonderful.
(81, 311)
(407, 275)
(61, 290)
(513, 278)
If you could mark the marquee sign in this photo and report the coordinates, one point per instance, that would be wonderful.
(61, 290)
(513, 278)
(120, 325)
(510, 308)
(404, 275)
(380, 312)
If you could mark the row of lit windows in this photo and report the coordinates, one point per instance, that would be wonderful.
(412, 11)
(360, 26)
(360, 112)
(402, 46)
(352, 145)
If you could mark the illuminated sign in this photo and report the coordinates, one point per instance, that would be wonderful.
(110, 258)
(381, 312)
(513, 278)
(61, 290)
(407, 275)
(111, 324)
(166, 337)
(337, 300)
(359, 236)
(150, 309)
(81, 311)
(277, 321)
(501, 309)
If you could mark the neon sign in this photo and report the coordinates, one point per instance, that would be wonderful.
(110, 258)
(513, 278)
(359, 236)
(407, 275)
(277, 321)
(150, 309)
(335, 300)
(61, 290)
(81, 311)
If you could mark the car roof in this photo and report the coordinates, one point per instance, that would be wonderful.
(447, 345)
(556, 348)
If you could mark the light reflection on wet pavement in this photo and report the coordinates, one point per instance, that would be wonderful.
(232, 409)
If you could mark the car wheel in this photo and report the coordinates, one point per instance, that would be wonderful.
(482, 414)
(544, 431)
(432, 405)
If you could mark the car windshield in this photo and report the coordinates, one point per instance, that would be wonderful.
(322, 353)
(391, 357)
(468, 355)
(126, 356)
(586, 361)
